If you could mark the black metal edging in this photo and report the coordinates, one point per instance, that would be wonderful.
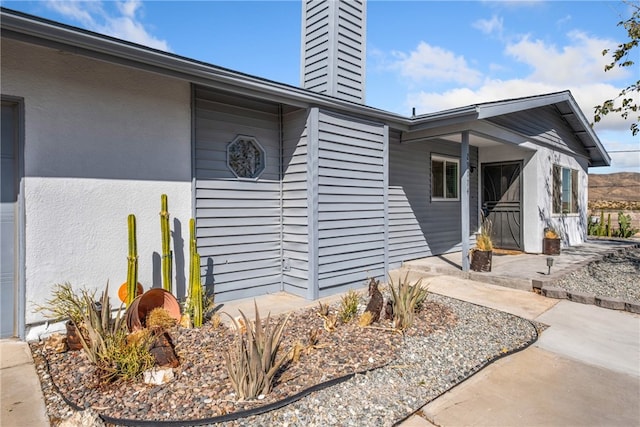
(218, 419)
(291, 399)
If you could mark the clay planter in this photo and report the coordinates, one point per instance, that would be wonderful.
(481, 260)
(136, 315)
(73, 336)
(550, 246)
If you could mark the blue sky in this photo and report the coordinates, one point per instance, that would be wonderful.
(431, 55)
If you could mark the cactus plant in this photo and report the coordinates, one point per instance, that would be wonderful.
(132, 261)
(601, 229)
(609, 225)
(195, 281)
(167, 255)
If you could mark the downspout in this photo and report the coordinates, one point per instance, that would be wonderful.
(464, 199)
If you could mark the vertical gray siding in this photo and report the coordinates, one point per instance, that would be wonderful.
(419, 227)
(238, 221)
(351, 207)
(295, 237)
(333, 48)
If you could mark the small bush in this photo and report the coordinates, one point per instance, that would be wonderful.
(160, 319)
(348, 306)
(365, 319)
(126, 358)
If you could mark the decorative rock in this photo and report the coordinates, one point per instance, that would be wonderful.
(86, 418)
(157, 376)
(554, 292)
(581, 297)
(612, 303)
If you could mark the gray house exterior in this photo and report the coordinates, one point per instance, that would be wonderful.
(303, 190)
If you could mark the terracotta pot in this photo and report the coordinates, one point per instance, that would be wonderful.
(136, 315)
(73, 336)
(550, 246)
(481, 260)
(122, 291)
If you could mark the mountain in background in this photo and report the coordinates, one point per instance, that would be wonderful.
(614, 191)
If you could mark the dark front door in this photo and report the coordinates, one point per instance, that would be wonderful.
(501, 203)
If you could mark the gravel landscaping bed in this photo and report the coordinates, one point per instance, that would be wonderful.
(616, 276)
(450, 340)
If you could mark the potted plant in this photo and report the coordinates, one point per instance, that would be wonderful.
(551, 242)
(66, 304)
(482, 254)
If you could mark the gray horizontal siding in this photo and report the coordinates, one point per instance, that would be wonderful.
(419, 227)
(238, 221)
(351, 215)
(295, 218)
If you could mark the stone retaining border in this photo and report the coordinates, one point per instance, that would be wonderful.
(547, 288)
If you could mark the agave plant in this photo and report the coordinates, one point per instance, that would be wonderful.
(406, 299)
(252, 361)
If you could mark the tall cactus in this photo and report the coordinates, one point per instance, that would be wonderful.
(167, 255)
(609, 225)
(132, 261)
(195, 281)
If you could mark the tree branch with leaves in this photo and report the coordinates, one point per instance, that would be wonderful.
(627, 100)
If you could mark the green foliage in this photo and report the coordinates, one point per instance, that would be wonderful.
(348, 306)
(196, 302)
(625, 230)
(65, 304)
(252, 361)
(132, 261)
(124, 359)
(406, 299)
(99, 325)
(167, 254)
(627, 100)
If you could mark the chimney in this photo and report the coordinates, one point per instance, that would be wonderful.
(334, 47)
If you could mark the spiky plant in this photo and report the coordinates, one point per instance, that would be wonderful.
(252, 361)
(160, 319)
(483, 239)
(348, 306)
(406, 298)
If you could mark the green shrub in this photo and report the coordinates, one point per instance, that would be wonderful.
(348, 306)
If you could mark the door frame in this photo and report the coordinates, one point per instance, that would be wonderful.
(20, 251)
(520, 163)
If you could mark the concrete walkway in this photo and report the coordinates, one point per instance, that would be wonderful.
(584, 370)
(22, 400)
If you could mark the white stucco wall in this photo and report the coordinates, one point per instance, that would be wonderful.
(101, 141)
(537, 191)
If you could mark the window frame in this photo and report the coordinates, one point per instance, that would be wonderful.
(565, 190)
(444, 160)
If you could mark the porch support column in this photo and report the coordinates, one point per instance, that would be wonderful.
(464, 199)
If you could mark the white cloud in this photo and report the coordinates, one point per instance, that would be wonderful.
(581, 61)
(428, 63)
(124, 23)
(489, 26)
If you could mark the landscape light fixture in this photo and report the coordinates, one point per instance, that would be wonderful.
(549, 264)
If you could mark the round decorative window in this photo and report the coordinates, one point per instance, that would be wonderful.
(245, 157)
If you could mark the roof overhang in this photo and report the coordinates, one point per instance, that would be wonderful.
(39, 31)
